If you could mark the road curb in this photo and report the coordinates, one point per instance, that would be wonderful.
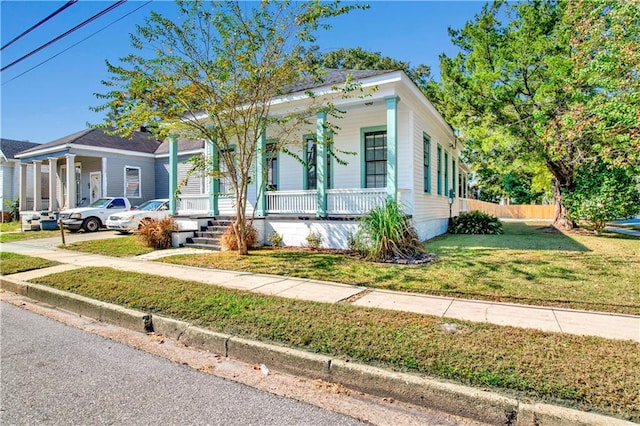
(484, 406)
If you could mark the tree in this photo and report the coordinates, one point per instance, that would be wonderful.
(212, 73)
(603, 193)
(558, 79)
(360, 59)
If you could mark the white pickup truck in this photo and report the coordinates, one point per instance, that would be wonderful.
(94, 216)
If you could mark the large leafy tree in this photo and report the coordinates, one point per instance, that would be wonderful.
(359, 59)
(212, 73)
(558, 79)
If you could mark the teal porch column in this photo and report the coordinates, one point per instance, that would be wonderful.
(321, 164)
(214, 181)
(392, 148)
(261, 166)
(173, 174)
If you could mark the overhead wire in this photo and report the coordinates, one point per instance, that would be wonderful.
(77, 43)
(77, 27)
(60, 9)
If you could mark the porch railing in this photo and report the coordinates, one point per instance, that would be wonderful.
(193, 203)
(292, 201)
(354, 201)
(29, 205)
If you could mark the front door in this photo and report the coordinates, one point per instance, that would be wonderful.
(96, 186)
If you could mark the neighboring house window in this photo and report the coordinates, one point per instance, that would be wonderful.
(271, 158)
(453, 177)
(132, 182)
(446, 174)
(311, 163)
(439, 167)
(426, 161)
(375, 159)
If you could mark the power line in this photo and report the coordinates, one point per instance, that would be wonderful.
(75, 44)
(69, 3)
(93, 18)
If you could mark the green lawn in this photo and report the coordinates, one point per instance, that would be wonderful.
(531, 264)
(11, 263)
(585, 372)
(7, 237)
(124, 246)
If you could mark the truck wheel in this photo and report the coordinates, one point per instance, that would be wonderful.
(91, 224)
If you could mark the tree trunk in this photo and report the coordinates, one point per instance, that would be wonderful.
(560, 220)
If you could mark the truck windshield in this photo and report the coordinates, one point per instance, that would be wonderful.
(100, 202)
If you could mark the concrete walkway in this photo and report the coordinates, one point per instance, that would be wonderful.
(614, 326)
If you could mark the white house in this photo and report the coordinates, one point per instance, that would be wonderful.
(402, 150)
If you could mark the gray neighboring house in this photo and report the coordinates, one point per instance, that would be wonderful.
(10, 172)
(97, 165)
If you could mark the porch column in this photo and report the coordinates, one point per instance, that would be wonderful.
(37, 185)
(392, 147)
(321, 164)
(173, 174)
(214, 181)
(261, 174)
(53, 200)
(23, 187)
(71, 182)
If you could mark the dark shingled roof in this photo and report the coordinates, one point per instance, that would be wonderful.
(183, 145)
(10, 147)
(137, 142)
(333, 76)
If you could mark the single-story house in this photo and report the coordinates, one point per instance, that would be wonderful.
(10, 170)
(401, 147)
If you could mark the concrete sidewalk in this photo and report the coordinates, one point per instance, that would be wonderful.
(614, 326)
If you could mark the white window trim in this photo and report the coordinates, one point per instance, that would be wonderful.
(139, 169)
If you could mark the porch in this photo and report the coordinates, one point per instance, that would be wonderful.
(339, 202)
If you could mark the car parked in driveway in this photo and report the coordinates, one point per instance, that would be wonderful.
(129, 221)
(94, 216)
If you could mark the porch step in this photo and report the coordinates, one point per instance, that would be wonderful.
(208, 237)
(211, 247)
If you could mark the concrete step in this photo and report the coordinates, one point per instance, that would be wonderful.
(214, 235)
(212, 247)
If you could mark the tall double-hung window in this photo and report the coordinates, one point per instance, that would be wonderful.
(311, 164)
(439, 167)
(132, 182)
(271, 157)
(453, 177)
(446, 173)
(426, 161)
(375, 159)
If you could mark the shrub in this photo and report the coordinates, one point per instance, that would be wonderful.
(475, 222)
(229, 241)
(156, 233)
(386, 233)
(314, 240)
(276, 240)
(14, 210)
(602, 193)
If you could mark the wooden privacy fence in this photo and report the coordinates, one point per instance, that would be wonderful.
(523, 211)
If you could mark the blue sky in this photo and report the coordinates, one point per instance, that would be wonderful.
(53, 100)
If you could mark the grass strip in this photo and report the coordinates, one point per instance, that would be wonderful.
(11, 263)
(585, 372)
(125, 246)
(8, 237)
(530, 264)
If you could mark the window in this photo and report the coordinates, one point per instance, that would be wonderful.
(446, 173)
(426, 161)
(132, 182)
(460, 190)
(117, 203)
(453, 177)
(439, 166)
(375, 159)
(225, 184)
(271, 157)
(311, 162)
